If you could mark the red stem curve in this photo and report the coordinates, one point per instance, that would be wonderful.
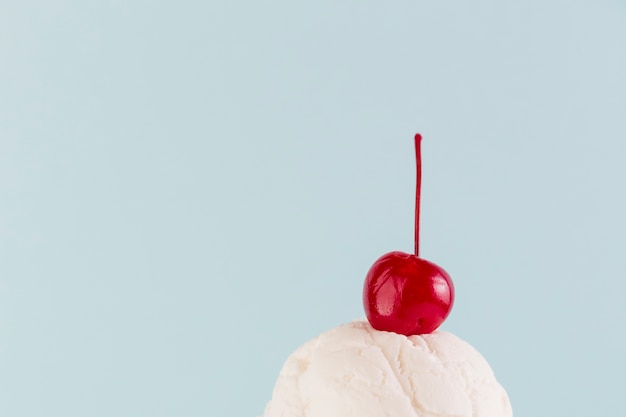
(418, 190)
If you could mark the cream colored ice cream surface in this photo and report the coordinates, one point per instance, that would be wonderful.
(356, 371)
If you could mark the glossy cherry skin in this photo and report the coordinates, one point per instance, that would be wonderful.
(406, 294)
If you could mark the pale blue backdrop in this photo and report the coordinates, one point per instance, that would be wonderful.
(189, 190)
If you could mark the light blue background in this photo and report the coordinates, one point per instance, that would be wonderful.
(189, 190)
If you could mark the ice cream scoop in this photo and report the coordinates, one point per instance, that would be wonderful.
(355, 370)
(396, 364)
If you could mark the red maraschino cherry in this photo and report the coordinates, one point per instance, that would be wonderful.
(404, 293)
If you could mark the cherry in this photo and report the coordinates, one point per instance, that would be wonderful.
(404, 293)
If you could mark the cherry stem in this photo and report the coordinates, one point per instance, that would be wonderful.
(418, 190)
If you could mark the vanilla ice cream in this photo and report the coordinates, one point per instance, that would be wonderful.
(356, 371)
